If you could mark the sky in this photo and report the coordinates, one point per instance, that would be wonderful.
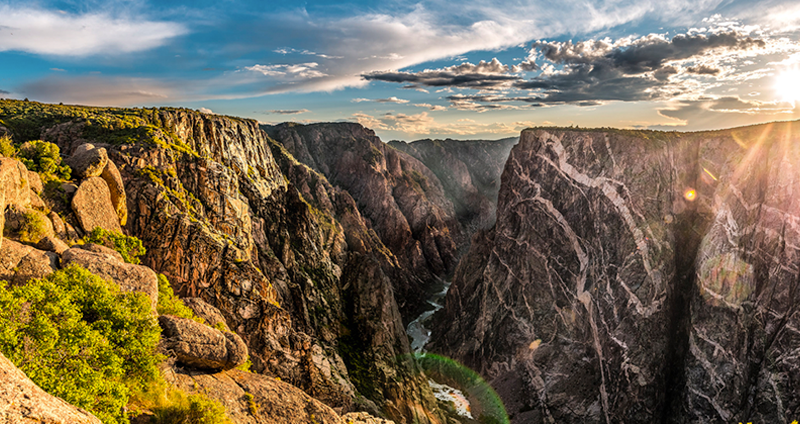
(411, 70)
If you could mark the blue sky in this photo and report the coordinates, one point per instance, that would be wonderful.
(410, 70)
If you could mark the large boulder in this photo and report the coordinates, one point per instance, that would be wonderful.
(52, 244)
(14, 187)
(93, 207)
(87, 161)
(210, 314)
(129, 277)
(19, 263)
(22, 401)
(112, 177)
(200, 346)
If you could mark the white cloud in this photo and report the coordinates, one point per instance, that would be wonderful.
(430, 106)
(46, 32)
(298, 71)
(207, 111)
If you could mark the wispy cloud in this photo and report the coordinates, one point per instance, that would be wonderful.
(424, 124)
(287, 112)
(300, 71)
(46, 32)
(392, 99)
(100, 91)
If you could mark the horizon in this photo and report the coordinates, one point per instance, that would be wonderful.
(417, 70)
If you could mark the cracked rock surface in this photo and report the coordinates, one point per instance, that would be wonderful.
(638, 277)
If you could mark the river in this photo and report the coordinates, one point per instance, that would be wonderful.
(420, 336)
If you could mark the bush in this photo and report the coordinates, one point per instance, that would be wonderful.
(169, 304)
(7, 148)
(192, 409)
(44, 158)
(33, 227)
(79, 338)
(129, 247)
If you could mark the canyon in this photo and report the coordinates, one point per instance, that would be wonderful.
(594, 275)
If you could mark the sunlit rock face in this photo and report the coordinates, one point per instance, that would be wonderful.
(637, 277)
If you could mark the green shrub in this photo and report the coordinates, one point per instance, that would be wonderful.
(192, 409)
(33, 227)
(7, 148)
(128, 246)
(44, 158)
(79, 338)
(169, 304)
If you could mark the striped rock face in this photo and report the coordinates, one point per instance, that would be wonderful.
(637, 277)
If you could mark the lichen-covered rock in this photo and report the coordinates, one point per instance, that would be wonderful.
(52, 244)
(92, 206)
(22, 401)
(19, 263)
(87, 161)
(211, 315)
(97, 248)
(129, 277)
(200, 346)
(363, 418)
(35, 182)
(113, 179)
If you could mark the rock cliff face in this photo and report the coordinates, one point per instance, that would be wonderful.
(637, 277)
(469, 171)
(230, 217)
(401, 199)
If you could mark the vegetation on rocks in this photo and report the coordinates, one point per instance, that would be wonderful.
(192, 409)
(78, 337)
(169, 304)
(32, 227)
(129, 247)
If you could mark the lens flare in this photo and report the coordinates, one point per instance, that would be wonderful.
(477, 393)
(690, 194)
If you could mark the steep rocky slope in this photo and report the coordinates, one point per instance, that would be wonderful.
(638, 277)
(469, 171)
(231, 218)
(401, 199)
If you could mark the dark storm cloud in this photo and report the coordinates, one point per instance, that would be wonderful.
(4, 92)
(484, 75)
(627, 70)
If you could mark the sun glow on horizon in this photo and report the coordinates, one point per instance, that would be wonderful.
(787, 85)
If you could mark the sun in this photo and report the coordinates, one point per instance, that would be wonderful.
(787, 85)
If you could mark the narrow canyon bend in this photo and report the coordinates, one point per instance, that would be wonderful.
(607, 276)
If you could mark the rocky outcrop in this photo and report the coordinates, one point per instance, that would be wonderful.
(469, 171)
(200, 346)
(257, 399)
(402, 200)
(637, 277)
(87, 161)
(129, 277)
(22, 401)
(93, 206)
(116, 188)
(19, 263)
(211, 315)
